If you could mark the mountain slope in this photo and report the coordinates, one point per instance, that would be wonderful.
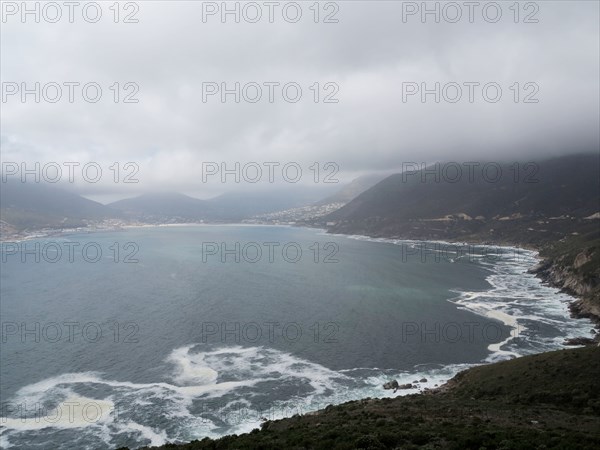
(353, 189)
(567, 185)
(37, 205)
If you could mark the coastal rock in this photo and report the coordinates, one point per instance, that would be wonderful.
(579, 341)
(423, 380)
(593, 216)
(582, 258)
(586, 307)
(391, 385)
(405, 386)
(562, 273)
(540, 267)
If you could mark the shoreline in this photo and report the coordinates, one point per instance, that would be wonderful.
(507, 319)
(68, 232)
(545, 270)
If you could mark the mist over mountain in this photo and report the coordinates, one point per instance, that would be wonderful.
(162, 206)
(353, 189)
(533, 196)
(564, 185)
(41, 205)
(435, 199)
(35, 205)
(241, 205)
(231, 206)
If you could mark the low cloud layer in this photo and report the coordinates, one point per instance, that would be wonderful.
(367, 57)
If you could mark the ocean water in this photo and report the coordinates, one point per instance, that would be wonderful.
(163, 334)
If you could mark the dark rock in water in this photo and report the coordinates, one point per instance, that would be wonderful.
(405, 386)
(391, 385)
(579, 341)
(423, 380)
(415, 381)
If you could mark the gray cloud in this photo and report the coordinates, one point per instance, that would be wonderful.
(368, 54)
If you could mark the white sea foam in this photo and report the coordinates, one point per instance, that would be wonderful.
(191, 368)
(133, 409)
(4, 442)
(147, 433)
(516, 298)
(194, 376)
(73, 412)
(521, 301)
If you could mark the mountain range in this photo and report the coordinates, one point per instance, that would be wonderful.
(34, 206)
(429, 203)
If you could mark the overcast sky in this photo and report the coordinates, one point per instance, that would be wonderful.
(369, 53)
